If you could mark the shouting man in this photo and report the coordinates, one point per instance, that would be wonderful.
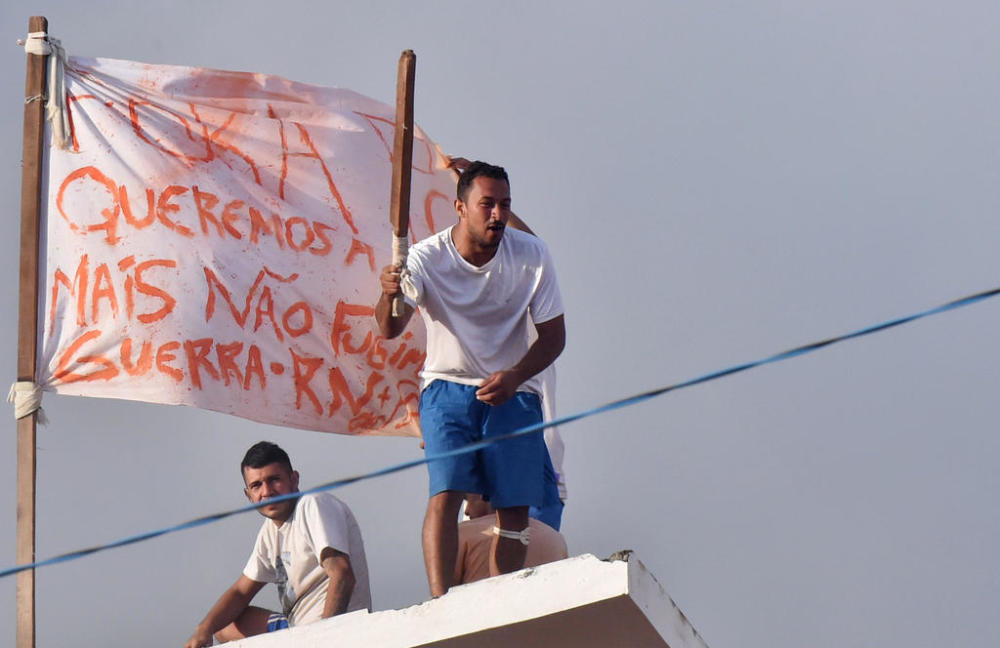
(484, 294)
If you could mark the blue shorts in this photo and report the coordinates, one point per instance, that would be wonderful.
(509, 473)
(551, 509)
(276, 621)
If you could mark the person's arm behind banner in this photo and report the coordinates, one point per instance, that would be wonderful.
(458, 165)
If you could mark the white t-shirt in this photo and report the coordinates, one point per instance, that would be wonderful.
(553, 440)
(479, 319)
(289, 556)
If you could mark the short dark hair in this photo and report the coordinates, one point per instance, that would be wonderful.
(264, 453)
(475, 170)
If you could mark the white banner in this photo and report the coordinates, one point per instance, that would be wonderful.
(214, 238)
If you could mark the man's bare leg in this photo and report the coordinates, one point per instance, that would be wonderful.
(507, 555)
(252, 621)
(441, 540)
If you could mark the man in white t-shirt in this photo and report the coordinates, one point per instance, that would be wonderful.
(551, 510)
(481, 290)
(309, 546)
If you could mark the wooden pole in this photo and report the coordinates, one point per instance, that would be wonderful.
(27, 336)
(402, 154)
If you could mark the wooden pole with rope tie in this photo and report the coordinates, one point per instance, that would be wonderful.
(27, 329)
(402, 162)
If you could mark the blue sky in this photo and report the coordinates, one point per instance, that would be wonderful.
(717, 181)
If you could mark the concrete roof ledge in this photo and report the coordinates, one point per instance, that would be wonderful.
(580, 601)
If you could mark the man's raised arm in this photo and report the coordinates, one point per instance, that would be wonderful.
(500, 386)
(389, 326)
(230, 605)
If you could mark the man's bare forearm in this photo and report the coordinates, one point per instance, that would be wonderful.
(389, 326)
(341, 585)
(519, 224)
(229, 606)
(544, 351)
(501, 385)
(338, 595)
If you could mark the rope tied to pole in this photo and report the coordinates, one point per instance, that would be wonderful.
(400, 250)
(27, 398)
(56, 111)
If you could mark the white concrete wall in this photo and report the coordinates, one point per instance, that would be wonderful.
(580, 601)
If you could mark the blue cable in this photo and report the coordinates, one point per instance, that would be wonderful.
(614, 405)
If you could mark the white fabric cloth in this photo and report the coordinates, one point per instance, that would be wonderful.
(250, 293)
(40, 44)
(479, 319)
(36, 44)
(475, 538)
(289, 556)
(27, 398)
(523, 536)
(553, 440)
(400, 249)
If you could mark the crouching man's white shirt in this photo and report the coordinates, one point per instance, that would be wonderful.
(289, 556)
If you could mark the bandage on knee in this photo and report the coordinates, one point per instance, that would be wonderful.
(524, 535)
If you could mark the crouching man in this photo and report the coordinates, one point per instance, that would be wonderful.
(310, 547)
(475, 536)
